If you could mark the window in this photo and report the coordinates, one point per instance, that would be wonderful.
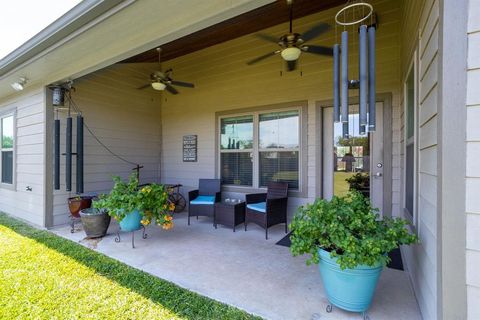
(7, 144)
(236, 145)
(410, 134)
(260, 147)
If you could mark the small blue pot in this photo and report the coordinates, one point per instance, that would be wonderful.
(349, 289)
(131, 222)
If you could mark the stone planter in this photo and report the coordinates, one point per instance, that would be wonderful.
(95, 222)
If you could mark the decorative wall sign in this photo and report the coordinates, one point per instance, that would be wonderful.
(190, 148)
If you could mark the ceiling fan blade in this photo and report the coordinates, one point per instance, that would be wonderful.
(291, 65)
(171, 89)
(258, 59)
(326, 51)
(267, 37)
(144, 86)
(315, 31)
(182, 84)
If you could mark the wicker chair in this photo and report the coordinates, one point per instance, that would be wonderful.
(202, 201)
(268, 209)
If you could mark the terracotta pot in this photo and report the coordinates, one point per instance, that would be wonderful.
(75, 204)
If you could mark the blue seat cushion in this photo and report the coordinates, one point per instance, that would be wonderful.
(203, 200)
(260, 206)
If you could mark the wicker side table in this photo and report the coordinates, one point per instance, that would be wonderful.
(229, 214)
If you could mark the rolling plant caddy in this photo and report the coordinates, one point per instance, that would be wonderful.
(347, 239)
(135, 207)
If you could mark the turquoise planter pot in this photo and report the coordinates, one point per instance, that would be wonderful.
(349, 289)
(131, 222)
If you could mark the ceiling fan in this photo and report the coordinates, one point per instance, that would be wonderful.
(163, 81)
(293, 44)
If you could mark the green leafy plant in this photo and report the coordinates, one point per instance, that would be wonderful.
(349, 228)
(150, 200)
(359, 181)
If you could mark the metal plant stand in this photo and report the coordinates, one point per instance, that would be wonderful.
(364, 313)
(73, 220)
(144, 236)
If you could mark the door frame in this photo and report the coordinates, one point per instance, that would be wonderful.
(386, 99)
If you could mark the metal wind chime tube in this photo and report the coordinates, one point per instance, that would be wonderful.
(56, 159)
(68, 155)
(336, 83)
(355, 14)
(371, 79)
(363, 78)
(79, 154)
(344, 81)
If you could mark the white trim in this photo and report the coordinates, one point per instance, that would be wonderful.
(13, 149)
(412, 67)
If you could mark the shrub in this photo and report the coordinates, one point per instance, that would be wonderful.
(350, 229)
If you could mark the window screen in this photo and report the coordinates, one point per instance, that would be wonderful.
(7, 144)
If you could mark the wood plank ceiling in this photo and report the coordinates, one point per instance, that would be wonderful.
(252, 21)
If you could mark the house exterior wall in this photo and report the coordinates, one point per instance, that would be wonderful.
(473, 167)
(224, 82)
(29, 159)
(125, 119)
(419, 44)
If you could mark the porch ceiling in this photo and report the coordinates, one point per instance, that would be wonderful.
(249, 22)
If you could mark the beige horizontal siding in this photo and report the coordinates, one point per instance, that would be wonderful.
(125, 119)
(29, 158)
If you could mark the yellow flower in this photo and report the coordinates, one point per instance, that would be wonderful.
(171, 207)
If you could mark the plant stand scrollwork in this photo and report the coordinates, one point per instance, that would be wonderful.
(364, 314)
(144, 235)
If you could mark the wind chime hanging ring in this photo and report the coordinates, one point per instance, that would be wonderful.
(353, 5)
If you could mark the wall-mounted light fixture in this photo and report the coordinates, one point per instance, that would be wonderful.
(20, 84)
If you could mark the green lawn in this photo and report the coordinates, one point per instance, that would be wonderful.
(43, 276)
(340, 186)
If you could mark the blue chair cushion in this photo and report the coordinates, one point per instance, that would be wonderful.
(260, 206)
(203, 200)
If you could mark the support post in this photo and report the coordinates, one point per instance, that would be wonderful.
(336, 83)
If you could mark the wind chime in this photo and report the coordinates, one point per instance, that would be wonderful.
(58, 101)
(353, 17)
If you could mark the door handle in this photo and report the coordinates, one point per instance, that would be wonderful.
(378, 175)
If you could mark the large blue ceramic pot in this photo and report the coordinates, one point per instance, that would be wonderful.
(131, 222)
(348, 289)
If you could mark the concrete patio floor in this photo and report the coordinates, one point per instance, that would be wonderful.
(244, 270)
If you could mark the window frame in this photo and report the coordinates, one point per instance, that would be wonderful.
(3, 115)
(301, 108)
(413, 140)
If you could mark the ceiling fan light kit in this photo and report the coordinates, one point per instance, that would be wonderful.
(290, 54)
(161, 81)
(292, 44)
(158, 86)
(354, 14)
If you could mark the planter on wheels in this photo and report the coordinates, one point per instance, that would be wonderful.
(95, 222)
(348, 289)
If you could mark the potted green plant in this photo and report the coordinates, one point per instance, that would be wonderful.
(360, 182)
(133, 206)
(350, 242)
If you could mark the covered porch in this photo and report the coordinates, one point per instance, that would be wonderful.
(243, 269)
